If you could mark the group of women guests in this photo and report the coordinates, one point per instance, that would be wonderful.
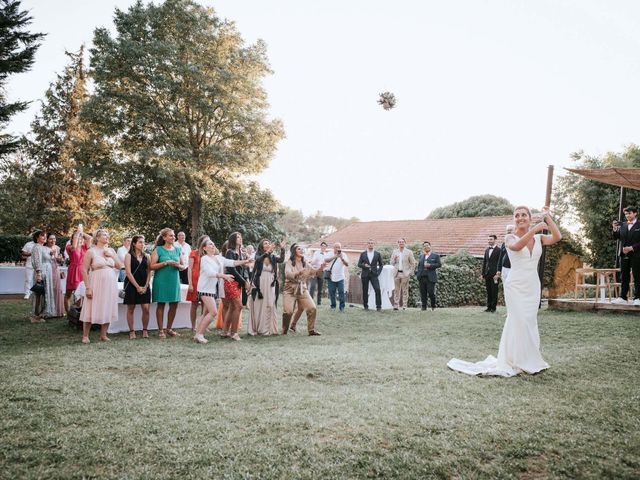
(216, 281)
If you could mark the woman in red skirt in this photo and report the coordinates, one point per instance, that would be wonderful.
(232, 301)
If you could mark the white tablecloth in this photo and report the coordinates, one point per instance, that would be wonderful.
(12, 280)
(387, 286)
(182, 315)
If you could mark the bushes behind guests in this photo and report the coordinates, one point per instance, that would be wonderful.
(11, 246)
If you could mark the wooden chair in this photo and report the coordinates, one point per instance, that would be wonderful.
(582, 285)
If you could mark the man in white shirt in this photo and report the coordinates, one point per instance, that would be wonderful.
(122, 252)
(336, 268)
(184, 257)
(404, 263)
(28, 268)
(317, 283)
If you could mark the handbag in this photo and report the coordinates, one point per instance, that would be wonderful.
(122, 291)
(38, 288)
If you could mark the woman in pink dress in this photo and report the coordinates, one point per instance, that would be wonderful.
(80, 243)
(100, 305)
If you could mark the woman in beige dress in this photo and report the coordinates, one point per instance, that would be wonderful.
(262, 300)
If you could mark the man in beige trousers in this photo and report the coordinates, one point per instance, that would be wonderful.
(404, 263)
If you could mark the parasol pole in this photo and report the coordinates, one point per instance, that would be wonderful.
(547, 203)
(621, 220)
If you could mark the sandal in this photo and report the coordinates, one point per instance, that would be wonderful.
(132, 335)
(145, 334)
(86, 340)
(105, 339)
(224, 335)
(235, 337)
(161, 334)
(173, 333)
(292, 328)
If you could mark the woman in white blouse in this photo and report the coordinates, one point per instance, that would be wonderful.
(211, 270)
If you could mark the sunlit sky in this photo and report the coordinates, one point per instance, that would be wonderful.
(489, 93)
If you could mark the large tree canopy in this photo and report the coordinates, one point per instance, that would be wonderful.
(594, 205)
(17, 50)
(42, 179)
(179, 110)
(477, 206)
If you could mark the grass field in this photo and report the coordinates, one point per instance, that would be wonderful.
(371, 398)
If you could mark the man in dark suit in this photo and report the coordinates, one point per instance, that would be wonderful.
(489, 270)
(427, 275)
(371, 264)
(629, 235)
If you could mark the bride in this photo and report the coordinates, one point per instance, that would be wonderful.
(519, 349)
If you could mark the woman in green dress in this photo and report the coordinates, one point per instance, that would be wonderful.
(165, 261)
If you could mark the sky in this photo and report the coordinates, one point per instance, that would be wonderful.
(489, 93)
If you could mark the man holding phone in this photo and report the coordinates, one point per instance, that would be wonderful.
(336, 268)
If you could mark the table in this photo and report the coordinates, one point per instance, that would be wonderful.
(12, 280)
(183, 319)
(387, 285)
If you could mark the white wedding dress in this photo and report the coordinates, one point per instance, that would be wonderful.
(519, 349)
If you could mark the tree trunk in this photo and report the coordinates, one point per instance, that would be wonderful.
(196, 222)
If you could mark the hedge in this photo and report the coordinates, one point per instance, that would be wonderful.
(11, 246)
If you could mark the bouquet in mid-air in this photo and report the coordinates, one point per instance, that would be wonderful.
(387, 100)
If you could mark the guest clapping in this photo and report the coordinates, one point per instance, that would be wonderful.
(101, 295)
(262, 302)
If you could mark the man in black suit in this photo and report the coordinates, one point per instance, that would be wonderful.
(629, 235)
(371, 264)
(489, 270)
(427, 275)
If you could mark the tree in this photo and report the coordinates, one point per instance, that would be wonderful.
(179, 109)
(17, 51)
(477, 206)
(594, 205)
(61, 196)
(16, 170)
(309, 229)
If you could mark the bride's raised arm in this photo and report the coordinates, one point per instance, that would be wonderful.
(555, 236)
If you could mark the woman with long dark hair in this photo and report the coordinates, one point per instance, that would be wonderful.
(165, 260)
(233, 289)
(296, 274)
(262, 301)
(136, 284)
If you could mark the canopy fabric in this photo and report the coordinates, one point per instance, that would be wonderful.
(621, 177)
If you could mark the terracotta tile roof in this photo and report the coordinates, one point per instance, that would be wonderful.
(447, 235)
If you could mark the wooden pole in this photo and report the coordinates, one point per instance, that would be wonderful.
(547, 203)
(620, 219)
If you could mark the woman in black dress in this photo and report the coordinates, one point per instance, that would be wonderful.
(136, 284)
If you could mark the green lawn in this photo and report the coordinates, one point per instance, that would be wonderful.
(371, 398)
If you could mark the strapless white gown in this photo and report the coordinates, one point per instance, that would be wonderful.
(519, 349)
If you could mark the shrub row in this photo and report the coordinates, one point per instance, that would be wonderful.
(11, 246)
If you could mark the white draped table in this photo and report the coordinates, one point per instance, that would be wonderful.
(182, 315)
(387, 286)
(12, 280)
